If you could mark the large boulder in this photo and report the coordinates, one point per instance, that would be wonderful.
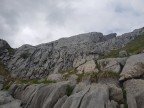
(87, 67)
(112, 64)
(133, 68)
(41, 95)
(94, 96)
(134, 93)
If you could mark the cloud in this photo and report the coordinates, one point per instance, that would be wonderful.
(37, 21)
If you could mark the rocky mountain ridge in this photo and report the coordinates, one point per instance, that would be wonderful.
(75, 72)
(41, 60)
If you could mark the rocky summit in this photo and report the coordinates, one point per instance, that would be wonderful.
(88, 70)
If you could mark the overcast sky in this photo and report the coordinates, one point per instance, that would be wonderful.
(40, 21)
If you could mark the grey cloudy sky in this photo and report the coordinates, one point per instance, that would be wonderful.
(39, 21)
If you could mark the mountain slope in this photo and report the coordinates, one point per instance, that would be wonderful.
(41, 60)
(89, 70)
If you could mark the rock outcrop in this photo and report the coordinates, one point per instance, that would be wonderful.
(73, 73)
(41, 60)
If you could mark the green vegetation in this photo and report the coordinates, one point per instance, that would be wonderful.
(25, 55)
(69, 90)
(93, 76)
(66, 73)
(80, 77)
(107, 74)
(135, 46)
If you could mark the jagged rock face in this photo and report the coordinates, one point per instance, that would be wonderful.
(4, 51)
(42, 60)
(4, 44)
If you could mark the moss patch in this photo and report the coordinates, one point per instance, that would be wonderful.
(66, 73)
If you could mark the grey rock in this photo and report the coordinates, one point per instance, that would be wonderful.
(13, 104)
(79, 61)
(5, 97)
(133, 68)
(72, 79)
(116, 93)
(5, 51)
(112, 64)
(110, 36)
(45, 59)
(88, 67)
(134, 92)
(115, 90)
(60, 102)
(3, 44)
(74, 100)
(79, 87)
(41, 95)
(94, 96)
(96, 99)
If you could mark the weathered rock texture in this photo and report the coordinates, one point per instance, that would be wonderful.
(40, 96)
(134, 67)
(72, 59)
(79, 52)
